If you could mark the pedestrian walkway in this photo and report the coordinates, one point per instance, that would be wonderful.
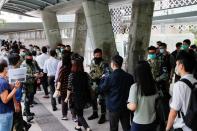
(48, 120)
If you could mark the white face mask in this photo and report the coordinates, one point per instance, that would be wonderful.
(162, 51)
(176, 71)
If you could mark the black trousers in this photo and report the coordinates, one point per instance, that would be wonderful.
(27, 103)
(18, 123)
(81, 119)
(123, 117)
(95, 105)
(64, 106)
(52, 90)
(45, 84)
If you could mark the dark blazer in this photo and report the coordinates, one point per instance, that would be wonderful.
(116, 87)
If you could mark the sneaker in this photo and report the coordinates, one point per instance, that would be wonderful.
(55, 109)
(88, 129)
(102, 119)
(27, 127)
(29, 118)
(74, 119)
(93, 116)
(64, 118)
(78, 128)
(29, 114)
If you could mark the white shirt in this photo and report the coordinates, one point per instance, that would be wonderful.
(50, 66)
(41, 59)
(180, 100)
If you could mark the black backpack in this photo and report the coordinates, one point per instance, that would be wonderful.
(190, 119)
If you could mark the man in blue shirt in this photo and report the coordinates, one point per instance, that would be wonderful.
(116, 87)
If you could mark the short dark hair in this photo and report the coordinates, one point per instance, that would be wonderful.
(193, 47)
(44, 49)
(13, 59)
(178, 44)
(67, 46)
(188, 61)
(53, 53)
(97, 50)
(117, 60)
(187, 41)
(159, 43)
(163, 45)
(3, 65)
(152, 48)
(34, 53)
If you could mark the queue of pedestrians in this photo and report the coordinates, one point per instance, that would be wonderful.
(143, 101)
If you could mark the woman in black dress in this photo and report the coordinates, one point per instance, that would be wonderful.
(78, 88)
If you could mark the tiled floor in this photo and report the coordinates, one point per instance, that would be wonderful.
(48, 120)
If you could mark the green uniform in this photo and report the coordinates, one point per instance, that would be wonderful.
(155, 68)
(30, 87)
(96, 72)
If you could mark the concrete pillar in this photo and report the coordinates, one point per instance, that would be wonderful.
(51, 28)
(80, 32)
(99, 26)
(140, 30)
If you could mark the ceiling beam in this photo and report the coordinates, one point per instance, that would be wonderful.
(175, 16)
(20, 5)
(15, 7)
(11, 9)
(46, 2)
(15, 11)
(27, 3)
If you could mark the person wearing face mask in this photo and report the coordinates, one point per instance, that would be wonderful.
(153, 61)
(22, 54)
(167, 68)
(185, 64)
(185, 45)
(96, 72)
(31, 48)
(174, 54)
(32, 75)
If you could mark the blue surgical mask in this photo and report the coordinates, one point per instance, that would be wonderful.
(184, 47)
(151, 56)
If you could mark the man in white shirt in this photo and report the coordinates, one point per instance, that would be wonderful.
(185, 65)
(41, 60)
(50, 67)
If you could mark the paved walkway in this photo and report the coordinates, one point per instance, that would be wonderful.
(48, 120)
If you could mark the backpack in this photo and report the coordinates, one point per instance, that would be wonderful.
(190, 119)
(162, 109)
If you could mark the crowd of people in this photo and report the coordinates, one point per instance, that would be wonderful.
(142, 101)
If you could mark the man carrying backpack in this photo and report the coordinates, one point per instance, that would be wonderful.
(183, 111)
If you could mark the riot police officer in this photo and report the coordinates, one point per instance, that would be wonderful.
(96, 72)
